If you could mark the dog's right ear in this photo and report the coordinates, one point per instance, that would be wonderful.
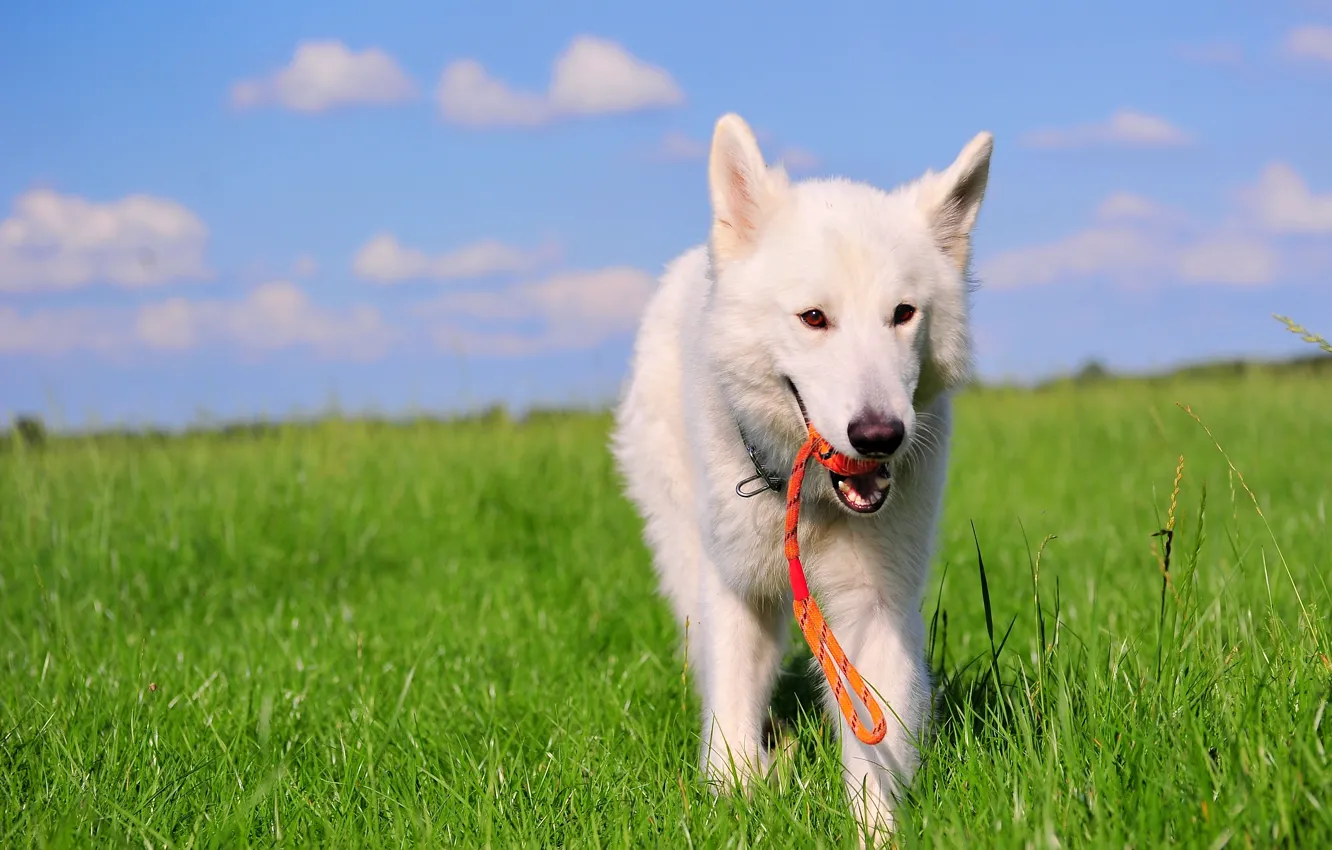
(952, 200)
(744, 191)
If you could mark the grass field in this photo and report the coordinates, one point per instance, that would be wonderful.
(446, 634)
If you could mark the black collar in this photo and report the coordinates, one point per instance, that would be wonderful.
(770, 480)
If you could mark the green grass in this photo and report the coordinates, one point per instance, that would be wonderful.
(365, 635)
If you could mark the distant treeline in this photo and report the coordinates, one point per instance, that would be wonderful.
(1317, 364)
(30, 431)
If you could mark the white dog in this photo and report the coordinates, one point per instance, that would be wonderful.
(840, 305)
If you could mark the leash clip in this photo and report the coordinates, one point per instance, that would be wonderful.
(770, 481)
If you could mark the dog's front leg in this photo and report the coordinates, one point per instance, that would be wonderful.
(886, 644)
(743, 640)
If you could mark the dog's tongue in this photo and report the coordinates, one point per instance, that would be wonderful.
(870, 484)
(866, 491)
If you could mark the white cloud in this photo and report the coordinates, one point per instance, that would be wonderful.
(324, 74)
(52, 241)
(798, 159)
(1310, 43)
(54, 331)
(468, 95)
(676, 146)
(593, 76)
(1215, 53)
(1285, 204)
(1134, 255)
(1129, 206)
(596, 75)
(1123, 252)
(1124, 128)
(304, 266)
(572, 310)
(272, 316)
(386, 260)
(1234, 259)
(1136, 242)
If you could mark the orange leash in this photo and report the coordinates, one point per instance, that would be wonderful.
(817, 634)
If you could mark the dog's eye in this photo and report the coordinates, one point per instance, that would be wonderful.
(903, 314)
(814, 319)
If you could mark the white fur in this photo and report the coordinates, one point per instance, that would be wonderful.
(717, 340)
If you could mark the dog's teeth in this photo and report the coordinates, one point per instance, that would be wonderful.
(846, 488)
(882, 481)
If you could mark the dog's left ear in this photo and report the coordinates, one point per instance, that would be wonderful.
(952, 199)
(950, 202)
(745, 192)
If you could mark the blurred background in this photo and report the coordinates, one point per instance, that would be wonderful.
(249, 209)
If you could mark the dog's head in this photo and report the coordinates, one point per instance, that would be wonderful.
(839, 303)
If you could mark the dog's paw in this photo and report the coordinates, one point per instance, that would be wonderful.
(779, 756)
(877, 834)
(736, 773)
(875, 821)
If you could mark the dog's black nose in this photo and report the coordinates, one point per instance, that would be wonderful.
(874, 435)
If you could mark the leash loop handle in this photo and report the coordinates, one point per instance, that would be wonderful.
(833, 661)
(817, 633)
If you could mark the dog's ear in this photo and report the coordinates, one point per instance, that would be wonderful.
(744, 190)
(951, 200)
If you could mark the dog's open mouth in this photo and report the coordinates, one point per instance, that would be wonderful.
(865, 493)
(862, 494)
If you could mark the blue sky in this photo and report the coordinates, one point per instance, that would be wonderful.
(251, 208)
